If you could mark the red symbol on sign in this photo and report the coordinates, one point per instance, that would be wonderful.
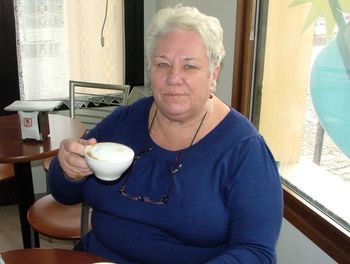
(27, 122)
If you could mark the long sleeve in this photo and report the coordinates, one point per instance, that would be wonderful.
(63, 189)
(255, 206)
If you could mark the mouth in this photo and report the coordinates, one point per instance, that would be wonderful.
(174, 94)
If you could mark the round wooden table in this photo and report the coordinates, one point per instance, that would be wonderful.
(49, 256)
(14, 150)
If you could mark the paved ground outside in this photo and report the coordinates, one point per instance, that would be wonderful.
(332, 159)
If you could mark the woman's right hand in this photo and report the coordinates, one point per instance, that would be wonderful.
(71, 157)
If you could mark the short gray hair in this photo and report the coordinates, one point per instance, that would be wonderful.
(189, 18)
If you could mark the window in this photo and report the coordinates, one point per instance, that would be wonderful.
(305, 84)
(294, 86)
(59, 40)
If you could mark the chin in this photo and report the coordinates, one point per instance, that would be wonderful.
(174, 106)
(175, 111)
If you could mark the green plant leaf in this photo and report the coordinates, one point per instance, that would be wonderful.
(299, 2)
(322, 7)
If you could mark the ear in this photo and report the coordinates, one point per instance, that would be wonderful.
(216, 72)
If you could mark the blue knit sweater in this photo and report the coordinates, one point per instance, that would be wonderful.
(225, 203)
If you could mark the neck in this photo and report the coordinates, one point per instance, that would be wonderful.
(184, 121)
(174, 135)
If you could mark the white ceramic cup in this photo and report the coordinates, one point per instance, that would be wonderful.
(108, 160)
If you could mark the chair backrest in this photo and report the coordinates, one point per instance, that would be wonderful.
(91, 102)
(138, 92)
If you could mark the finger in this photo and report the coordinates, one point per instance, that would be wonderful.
(68, 169)
(71, 163)
(75, 176)
(77, 162)
(89, 141)
(80, 174)
(70, 145)
(75, 168)
(84, 143)
(92, 141)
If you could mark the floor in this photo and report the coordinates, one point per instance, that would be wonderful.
(10, 233)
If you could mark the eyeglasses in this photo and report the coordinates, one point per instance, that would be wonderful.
(165, 198)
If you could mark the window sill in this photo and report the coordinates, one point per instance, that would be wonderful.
(327, 234)
(327, 192)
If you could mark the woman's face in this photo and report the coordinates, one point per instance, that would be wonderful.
(179, 74)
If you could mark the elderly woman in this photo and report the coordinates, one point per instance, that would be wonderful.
(204, 187)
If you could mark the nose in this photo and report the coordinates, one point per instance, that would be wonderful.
(174, 75)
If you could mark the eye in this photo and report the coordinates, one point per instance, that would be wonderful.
(189, 67)
(162, 65)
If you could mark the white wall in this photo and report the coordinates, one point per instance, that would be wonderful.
(224, 10)
(293, 247)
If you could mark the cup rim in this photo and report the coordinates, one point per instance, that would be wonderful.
(87, 147)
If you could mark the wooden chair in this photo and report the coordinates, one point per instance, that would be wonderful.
(6, 171)
(7, 188)
(55, 220)
(138, 92)
(89, 102)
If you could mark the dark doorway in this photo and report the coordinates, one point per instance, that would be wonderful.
(8, 71)
(134, 48)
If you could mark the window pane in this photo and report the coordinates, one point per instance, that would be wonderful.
(304, 101)
(41, 53)
(61, 40)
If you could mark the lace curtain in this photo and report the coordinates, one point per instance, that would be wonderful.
(41, 52)
(59, 40)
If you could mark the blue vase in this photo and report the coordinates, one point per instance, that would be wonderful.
(330, 93)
